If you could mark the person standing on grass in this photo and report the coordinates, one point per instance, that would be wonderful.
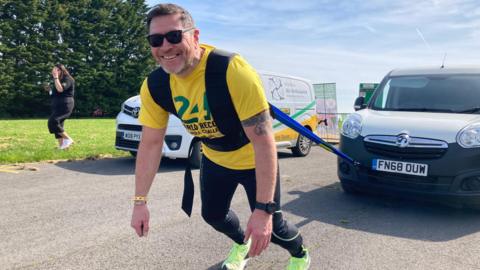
(63, 102)
(211, 90)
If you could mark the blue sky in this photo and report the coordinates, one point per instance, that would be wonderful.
(346, 42)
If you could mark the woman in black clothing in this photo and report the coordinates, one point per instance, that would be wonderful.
(62, 104)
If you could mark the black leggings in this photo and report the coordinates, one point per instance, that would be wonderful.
(61, 110)
(218, 184)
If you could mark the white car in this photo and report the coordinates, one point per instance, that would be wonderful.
(178, 142)
(293, 95)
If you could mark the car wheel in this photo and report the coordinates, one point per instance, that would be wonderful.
(302, 147)
(133, 153)
(195, 157)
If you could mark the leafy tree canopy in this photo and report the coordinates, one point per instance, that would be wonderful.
(101, 42)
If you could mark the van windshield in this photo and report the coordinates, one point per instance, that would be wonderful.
(452, 93)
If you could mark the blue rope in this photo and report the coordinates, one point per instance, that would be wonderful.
(289, 122)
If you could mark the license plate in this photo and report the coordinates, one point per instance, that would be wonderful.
(132, 136)
(400, 167)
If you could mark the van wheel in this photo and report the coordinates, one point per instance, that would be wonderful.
(133, 153)
(302, 147)
(348, 189)
(195, 156)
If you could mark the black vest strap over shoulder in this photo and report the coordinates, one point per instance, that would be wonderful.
(159, 86)
(221, 108)
(221, 104)
(218, 98)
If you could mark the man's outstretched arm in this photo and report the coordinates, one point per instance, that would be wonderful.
(259, 130)
(147, 163)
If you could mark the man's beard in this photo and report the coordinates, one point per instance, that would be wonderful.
(182, 68)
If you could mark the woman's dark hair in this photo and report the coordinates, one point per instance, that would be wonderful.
(64, 71)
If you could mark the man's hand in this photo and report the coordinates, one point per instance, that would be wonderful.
(259, 229)
(140, 219)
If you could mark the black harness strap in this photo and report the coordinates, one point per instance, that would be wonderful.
(159, 86)
(218, 98)
(221, 107)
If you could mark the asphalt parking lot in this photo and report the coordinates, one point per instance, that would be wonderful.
(76, 215)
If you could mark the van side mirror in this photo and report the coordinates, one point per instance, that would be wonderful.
(359, 104)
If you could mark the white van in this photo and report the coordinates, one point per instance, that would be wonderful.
(419, 135)
(294, 96)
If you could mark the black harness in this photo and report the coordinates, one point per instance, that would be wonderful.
(218, 98)
(221, 107)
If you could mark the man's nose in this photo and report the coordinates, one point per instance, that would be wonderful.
(166, 45)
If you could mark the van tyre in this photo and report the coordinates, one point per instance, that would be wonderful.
(195, 155)
(302, 147)
(348, 189)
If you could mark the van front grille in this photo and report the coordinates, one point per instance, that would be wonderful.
(417, 148)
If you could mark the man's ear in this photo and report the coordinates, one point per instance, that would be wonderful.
(196, 35)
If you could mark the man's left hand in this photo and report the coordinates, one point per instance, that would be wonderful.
(259, 229)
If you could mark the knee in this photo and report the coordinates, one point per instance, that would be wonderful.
(213, 220)
(283, 230)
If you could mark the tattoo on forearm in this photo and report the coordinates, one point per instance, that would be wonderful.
(260, 121)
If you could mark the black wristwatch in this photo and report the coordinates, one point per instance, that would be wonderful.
(269, 207)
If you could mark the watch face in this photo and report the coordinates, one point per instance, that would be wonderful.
(271, 207)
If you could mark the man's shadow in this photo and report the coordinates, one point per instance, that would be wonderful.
(118, 166)
(383, 215)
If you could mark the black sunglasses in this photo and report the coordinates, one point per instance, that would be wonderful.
(173, 37)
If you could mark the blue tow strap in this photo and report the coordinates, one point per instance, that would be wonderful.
(291, 123)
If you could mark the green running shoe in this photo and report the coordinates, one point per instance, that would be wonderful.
(299, 263)
(238, 257)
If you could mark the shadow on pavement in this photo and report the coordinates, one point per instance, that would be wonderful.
(126, 165)
(383, 215)
(217, 266)
(285, 153)
(118, 166)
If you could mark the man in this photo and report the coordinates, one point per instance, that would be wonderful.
(174, 43)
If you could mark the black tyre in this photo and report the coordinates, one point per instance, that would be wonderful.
(133, 153)
(195, 157)
(348, 189)
(302, 147)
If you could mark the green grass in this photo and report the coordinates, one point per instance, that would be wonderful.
(24, 141)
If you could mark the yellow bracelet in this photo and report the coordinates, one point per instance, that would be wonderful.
(140, 198)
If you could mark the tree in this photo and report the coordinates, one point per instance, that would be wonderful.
(21, 53)
(101, 42)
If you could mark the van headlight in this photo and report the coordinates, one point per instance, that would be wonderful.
(352, 126)
(469, 136)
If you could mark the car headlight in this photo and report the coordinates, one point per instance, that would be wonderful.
(352, 126)
(469, 136)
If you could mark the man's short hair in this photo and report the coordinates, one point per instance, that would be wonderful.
(169, 9)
